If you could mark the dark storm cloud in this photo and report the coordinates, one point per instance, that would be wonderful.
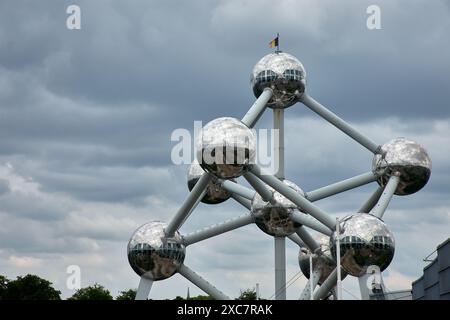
(4, 186)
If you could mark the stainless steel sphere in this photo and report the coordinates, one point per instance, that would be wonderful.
(323, 261)
(225, 147)
(284, 74)
(365, 240)
(152, 255)
(275, 218)
(214, 193)
(409, 159)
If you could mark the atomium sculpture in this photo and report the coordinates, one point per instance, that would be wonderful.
(226, 150)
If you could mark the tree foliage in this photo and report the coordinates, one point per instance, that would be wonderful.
(248, 294)
(29, 287)
(3, 286)
(95, 292)
(127, 295)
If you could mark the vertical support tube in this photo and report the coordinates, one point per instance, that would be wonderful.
(386, 197)
(143, 290)
(278, 124)
(189, 204)
(202, 283)
(257, 291)
(280, 268)
(338, 260)
(311, 277)
(339, 123)
(257, 109)
(280, 242)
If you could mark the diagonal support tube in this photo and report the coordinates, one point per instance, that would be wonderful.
(189, 204)
(341, 186)
(312, 283)
(326, 286)
(217, 229)
(236, 188)
(296, 239)
(257, 109)
(202, 283)
(294, 196)
(144, 288)
(339, 123)
(386, 197)
(245, 202)
(307, 239)
(259, 186)
(372, 201)
(310, 222)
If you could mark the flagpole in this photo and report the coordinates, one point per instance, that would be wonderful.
(278, 43)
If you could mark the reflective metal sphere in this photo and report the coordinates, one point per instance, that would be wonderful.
(275, 219)
(214, 193)
(408, 158)
(365, 241)
(284, 74)
(323, 262)
(225, 147)
(152, 255)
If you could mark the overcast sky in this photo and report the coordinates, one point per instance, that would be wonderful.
(86, 117)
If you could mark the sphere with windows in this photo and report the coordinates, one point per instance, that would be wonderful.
(408, 159)
(154, 256)
(284, 74)
(215, 194)
(226, 147)
(365, 241)
(323, 261)
(274, 218)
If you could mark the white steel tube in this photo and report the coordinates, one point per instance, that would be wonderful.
(189, 204)
(339, 123)
(257, 109)
(386, 196)
(217, 229)
(202, 283)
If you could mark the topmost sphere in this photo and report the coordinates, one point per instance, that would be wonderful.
(284, 74)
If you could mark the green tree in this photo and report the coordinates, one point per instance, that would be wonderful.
(248, 294)
(3, 286)
(30, 287)
(127, 295)
(95, 292)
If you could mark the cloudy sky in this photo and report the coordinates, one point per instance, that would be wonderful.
(86, 117)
